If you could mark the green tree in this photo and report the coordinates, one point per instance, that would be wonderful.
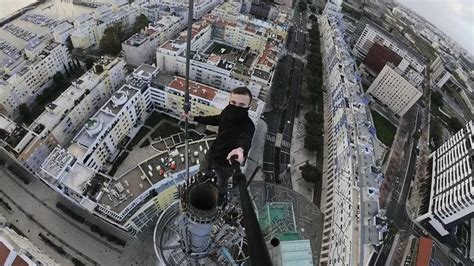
(25, 113)
(140, 23)
(310, 173)
(437, 99)
(110, 42)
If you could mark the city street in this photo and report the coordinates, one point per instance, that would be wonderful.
(283, 106)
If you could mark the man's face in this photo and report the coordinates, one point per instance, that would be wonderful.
(239, 100)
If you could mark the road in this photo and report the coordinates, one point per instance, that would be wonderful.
(284, 98)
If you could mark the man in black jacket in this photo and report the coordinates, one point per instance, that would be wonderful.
(234, 136)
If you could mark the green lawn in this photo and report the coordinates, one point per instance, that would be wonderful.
(165, 130)
(385, 130)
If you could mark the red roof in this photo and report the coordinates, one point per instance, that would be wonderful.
(4, 252)
(424, 251)
(378, 56)
(19, 262)
(195, 88)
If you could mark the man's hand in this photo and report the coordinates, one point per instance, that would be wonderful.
(239, 152)
(188, 115)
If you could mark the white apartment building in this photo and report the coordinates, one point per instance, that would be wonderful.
(141, 47)
(394, 91)
(219, 60)
(62, 32)
(18, 250)
(228, 10)
(67, 114)
(200, 7)
(23, 81)
(165, 93)
(451, 197)
(98, 140)
(89, 30)
(368, 33)
(353, 222)
(439, 74)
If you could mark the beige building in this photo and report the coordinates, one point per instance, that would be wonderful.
(394, 91)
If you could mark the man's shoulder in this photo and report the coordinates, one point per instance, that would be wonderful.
(249, 123)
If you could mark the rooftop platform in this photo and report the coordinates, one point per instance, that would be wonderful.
(95, 127)
(147, 173)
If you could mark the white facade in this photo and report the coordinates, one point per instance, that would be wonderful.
(351, 180)
(200, 7)
(440, 75)
(26, 80)
(394, 91)
(141, 47)
(20, 251)
(89, 30)
(99, 138)
(62, 32)
(69, 112)
(451, 198)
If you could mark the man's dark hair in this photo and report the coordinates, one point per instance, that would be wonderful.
(242, 91)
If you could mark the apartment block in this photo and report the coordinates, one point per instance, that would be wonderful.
(394, 91)
(450, 200)
(97, 141)
(200, 7)
(89, 29)
(23, 80)
(367, 33)
(226, 57)
(63, 118)
(354, 222)
(141, 47)
(440, 75)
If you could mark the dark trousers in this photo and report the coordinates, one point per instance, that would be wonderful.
(223, 173)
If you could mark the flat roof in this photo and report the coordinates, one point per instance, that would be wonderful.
(77, 178)
(119, 99)
(141, 177)
(424, 251)
(84, 138)
(57, 162)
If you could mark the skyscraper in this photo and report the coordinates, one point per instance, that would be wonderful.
(451, 195)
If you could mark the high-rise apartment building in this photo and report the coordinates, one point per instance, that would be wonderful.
(451, 187)
(23, 80)
(353, 222)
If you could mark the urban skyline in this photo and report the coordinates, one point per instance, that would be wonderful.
(362, 152)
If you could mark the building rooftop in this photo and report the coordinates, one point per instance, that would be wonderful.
(94, 127)
(57, 162)
(195, 88)
(136, 39)
(157, 169)
(118, 99)
(78, 177)
(145, 72)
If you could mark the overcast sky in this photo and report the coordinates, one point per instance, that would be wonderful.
(453, 17)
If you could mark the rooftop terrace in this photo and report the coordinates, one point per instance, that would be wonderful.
(167, 162)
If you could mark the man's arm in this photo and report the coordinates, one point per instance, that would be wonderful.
(212, 120)
(245, 138)
(244, 142)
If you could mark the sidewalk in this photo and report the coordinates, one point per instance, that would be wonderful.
(299, 157)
